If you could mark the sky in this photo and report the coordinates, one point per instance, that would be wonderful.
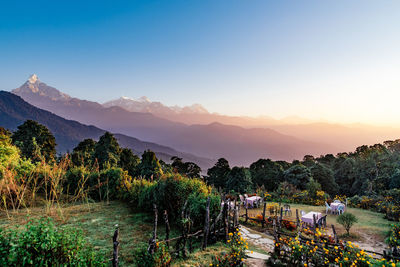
(332, 60)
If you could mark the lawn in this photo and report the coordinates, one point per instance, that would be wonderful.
(99, 220)
(371, 228)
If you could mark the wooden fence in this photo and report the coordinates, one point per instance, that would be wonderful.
(275, 230)
(214, 229)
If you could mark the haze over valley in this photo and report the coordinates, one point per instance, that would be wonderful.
(196, 131)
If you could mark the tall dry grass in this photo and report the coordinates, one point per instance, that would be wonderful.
(44, 185)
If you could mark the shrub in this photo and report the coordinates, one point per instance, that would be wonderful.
(160, 258)
(41, 243)
(237, 251)
(294, 252)
(347, 220)
(394, 236)
(170, 193)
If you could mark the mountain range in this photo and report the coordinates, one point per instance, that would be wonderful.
(194, 130)
(241, 146)
(14, 111)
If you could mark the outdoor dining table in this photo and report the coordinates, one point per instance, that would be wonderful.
(309, 218)
(251, 200)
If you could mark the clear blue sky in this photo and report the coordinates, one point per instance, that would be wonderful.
(337, 60)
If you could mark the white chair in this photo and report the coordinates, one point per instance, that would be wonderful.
(340, 209)
(242, 199)
(302, 212)
(328, 208)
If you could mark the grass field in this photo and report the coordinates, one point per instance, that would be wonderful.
(371, 228)
(99, 220)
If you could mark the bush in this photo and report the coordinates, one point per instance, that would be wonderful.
(160, 258)
(41, 243)
(347, 220)
(237, 251)
(170, 193)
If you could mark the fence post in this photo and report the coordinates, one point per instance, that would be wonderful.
(206, 224)
(281, 214)
(236, 217)
(297, 219)
(246, 213)
(334, 234)
(167, 228)
(263, 215)
(115, 245)
(225, 221)
(152, 241)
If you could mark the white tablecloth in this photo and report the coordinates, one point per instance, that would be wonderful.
(251, 200)
(308, 218)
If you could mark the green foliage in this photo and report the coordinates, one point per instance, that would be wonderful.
(10, 158)
(237, 252)
(393, 239)
(170, 192)
(82, 155)
(129, 161)
(267, 173)
(160, 258)
(218, 174)
(298, 175)
(149, 167)
(313, 187)
(324, 176)
(41, 243)
(347, 220)
(107, 151)
(239, 180)
(35, 141)
(188, 169)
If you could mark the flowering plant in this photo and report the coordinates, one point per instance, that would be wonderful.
(237, 251)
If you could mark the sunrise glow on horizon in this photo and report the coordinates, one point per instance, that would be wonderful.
(335, 61)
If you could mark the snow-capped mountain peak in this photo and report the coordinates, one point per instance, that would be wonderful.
(33, 79)
(144, 104)
(33, 86)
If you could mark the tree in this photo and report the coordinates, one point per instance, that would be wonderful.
(267, 173)
(298, 175)
(347, 220)
(189, 169)
(192, 170)
(395, 180)
(312, 187)
(345, 174)
(218, 174)
(82, 154)
(129, 161)
(107, 151)
(239, 180)
(35, 141)
(324, 176)
(149, 167)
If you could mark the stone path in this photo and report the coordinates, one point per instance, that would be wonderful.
(260, 240)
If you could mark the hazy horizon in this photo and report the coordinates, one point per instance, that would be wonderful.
(324, 61)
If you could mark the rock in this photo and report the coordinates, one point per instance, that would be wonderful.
(256, 255)
(244, 231)
(254, 236)
(266, 241)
